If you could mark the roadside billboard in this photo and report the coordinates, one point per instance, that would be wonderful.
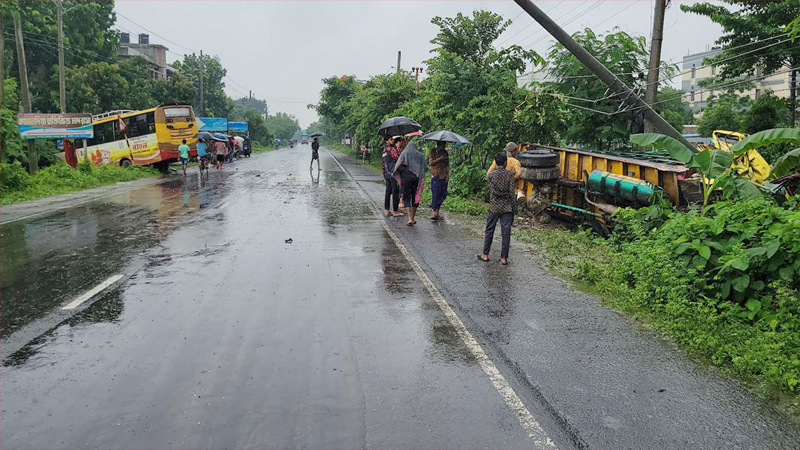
(237, 126)
(55, 126)
(212, 124)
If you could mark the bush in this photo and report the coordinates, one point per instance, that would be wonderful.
(17, 185)
(722, 284)
(13, 177)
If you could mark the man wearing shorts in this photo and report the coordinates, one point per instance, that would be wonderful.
(202, 154)
(314, 153)
(222, 152)
(184, 151)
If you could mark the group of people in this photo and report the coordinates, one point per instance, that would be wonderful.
(218, 153)
(404, 170)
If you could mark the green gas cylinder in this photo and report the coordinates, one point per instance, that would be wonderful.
(611, 186)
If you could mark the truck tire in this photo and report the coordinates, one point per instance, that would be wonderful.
(538, 158)
(125, 162)
(540, 174)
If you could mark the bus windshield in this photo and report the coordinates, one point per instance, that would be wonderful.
(177, 112)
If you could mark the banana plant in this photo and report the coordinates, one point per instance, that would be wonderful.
(715, 165)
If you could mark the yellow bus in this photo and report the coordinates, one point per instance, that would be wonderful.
(151, 136)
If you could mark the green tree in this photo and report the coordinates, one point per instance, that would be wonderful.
(95, 88)
(88, 38)
(334, 101)
(244, 104)
(12, 145)
(377, 99)
(258, 127)
(622, 54)
(750, 22)
(282, 125)
(672, 109)
(721, 116)
(217, 103)
(768, 111)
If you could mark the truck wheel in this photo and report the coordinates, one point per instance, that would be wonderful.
(597, 228)
(538, 159)
(125, 162)
(540, 174)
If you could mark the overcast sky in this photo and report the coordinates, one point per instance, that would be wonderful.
(282, 49)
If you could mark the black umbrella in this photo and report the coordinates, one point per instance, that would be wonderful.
(446, 136)
(397, 126)
(207, 136)
(317, 133)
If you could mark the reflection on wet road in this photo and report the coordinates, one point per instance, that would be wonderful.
(264, 306)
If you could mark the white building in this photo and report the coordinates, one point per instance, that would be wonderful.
(694, 70)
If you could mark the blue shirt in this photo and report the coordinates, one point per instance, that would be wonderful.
(201, 149)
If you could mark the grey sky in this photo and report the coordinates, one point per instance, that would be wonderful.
(281, 49)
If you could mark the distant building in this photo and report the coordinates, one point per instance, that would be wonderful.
(696, 97)
(155, 54)
(534, 76)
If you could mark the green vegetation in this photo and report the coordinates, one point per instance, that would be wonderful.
(17, 185)
(722, 284)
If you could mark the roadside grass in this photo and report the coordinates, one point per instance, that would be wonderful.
(644, 280)
(16, 185)
(260, 148)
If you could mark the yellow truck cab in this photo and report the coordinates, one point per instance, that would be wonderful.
(749, 164)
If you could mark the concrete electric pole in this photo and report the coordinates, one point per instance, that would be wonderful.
(651, 91)
(62, 89)
(202, 75)
(398, 61)
(33, 159)
(629, 98)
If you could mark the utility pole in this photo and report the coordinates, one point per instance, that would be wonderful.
(62, 90)
(398, 61)
(202, 75)
(651, 91)
(629, 98)
(33, 159)
(2, 75)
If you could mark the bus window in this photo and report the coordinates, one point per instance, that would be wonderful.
(142, 124)
(103, 132)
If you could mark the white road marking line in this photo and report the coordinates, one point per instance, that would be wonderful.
(96, 290)
(245, 191)
(223, 205)
(514, 403)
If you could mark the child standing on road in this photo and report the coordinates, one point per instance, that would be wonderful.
(184, 150)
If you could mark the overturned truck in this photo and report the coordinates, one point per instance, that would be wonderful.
(588, 187)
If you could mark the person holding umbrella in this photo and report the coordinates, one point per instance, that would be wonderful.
(314, 153)
(440, 176)
(409, 171)
(392, 195)
(440, 166)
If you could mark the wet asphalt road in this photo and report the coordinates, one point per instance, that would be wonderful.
(223, 335)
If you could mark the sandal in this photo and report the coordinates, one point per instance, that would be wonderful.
(504, 263)
(409, 224)
(480, 257)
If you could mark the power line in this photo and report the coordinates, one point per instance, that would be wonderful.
(156, 34)
(526, 26)
(567, 23)
(556, 20)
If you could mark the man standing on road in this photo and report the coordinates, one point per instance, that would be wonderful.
(184, 151)
(202, 154)
(409, 171)
(440, 176)
(222, 152)
(501, 207)
(314, 153)
(392, 194)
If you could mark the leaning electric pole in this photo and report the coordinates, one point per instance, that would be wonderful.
(629, 98)
(653, 72)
